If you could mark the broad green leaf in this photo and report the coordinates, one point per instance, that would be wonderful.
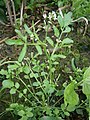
(36, 68)
(56, 111)
(56, 31)
(14, 42)
(10, 42)
(70, 96)
(26, 77)
(50, 41)
(67, 19)
(86, 86)
(20, 95)
(7, 84)
(26, 69)
(67, 30)
(17, 85)
(61, 21)
(86, 82)
(21, 113)
(67, 41)
(13, 67)
(4, 72)
(70, 108)
(24, 118)
(39, 49)
(22, 53)
(86, 73)
(36, 84)
(25, 91)
(13, 91)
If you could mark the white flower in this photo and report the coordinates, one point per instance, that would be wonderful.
(45, 15)
(54, 15)
(50, 16)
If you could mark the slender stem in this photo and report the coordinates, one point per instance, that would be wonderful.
(13, 6)
(25, 97)
(58, 101)
(28, 89)
(9, 12)
(1, 64)
(21, 14)
(38, 81)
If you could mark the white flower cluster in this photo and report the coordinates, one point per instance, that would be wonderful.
(51, 15)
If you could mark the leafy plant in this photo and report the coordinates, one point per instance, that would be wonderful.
(33, 80)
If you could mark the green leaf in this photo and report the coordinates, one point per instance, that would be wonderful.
(86, 73)
(70, 108)
(26, 69)
(67, 19)
(39, 49)
(67, 30)
(25, 91)
(20, 95)
(61, 21)
(56, 31)
(10, 42)
(13, 67)
(39, 93)
(28, 31)
(67, 41)
(28, 112)
(22, 53)
(17, 85)
(13, 90)
(86, 86)
(23, 37)
(14, 42)
(56, 111)
(24, 118)
(70, 96)
(55, 56)
(4, 72)
(50, 41)
(21, 113)
(36, 68)
(7, 84)
(36, 84)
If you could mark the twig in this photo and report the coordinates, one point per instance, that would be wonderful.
(13, 6)
(1, 41)
(86, 24)
(9, 12)
(21, 14)
(64, 7)
(35, 24)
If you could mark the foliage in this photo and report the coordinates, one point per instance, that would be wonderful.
(81, 8)
(32, 81)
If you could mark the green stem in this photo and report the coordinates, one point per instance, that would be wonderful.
(16, 62)
(28, 89)
(25, 97)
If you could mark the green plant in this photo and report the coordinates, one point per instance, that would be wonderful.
(81, 8)
(33, 82)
